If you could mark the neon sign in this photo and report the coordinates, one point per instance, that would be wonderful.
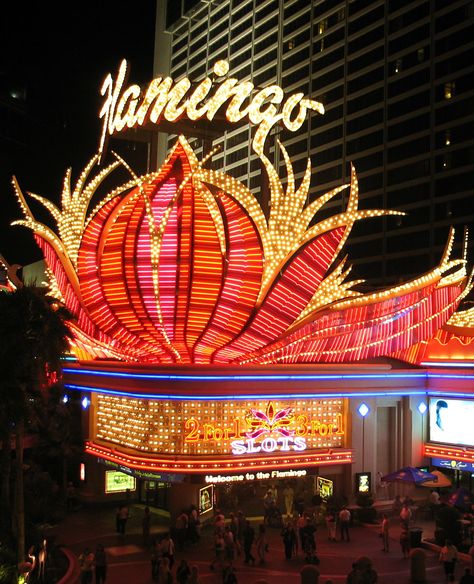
(166, 100)
(266, 431)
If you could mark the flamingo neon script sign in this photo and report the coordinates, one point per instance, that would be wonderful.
(164, 99)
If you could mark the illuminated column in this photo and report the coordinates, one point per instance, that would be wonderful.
(364, 411)
(422, 409)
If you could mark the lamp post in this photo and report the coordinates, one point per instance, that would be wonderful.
(363, 410)
(422, 408)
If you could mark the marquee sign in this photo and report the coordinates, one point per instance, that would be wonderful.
(220, 427)
(264, 431)
(164, 99)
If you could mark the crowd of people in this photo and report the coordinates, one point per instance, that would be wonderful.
(236, 540)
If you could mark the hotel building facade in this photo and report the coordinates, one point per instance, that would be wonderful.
(219, 343)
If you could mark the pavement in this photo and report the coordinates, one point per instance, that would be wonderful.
(129, 557)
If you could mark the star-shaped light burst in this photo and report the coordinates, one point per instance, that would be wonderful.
(269, 421)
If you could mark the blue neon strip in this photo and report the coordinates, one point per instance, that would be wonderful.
(185, 377)
(458, 364)
(181, 397)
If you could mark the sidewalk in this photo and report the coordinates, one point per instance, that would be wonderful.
(129, 558)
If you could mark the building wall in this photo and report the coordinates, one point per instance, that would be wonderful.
(397, 83)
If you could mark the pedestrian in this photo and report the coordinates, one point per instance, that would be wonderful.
(405, 516)
(344, 521)
(86, 564)
(122, 517)
(70, 497)
(405, 543)
(229, 543)
(164, 573)
(449, 556)
(396, 506)
(300, 525)
(241, 522)
(194, 525)
(367, 573)
(248, 539)
(289, 495)
(269, 505)
(234, 528)
(288, 535)
(183, 572)
(354, 576)
(181, 526)
(156, 555)
(331, 525)
(146, 522)
(262, 543)
(309, 542)
(194, 579)
(384, 532)
(167, 550)
(100, 565)
(467, 578)
(229, 576)
(219, 549)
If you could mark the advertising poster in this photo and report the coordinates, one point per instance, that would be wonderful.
(451, 421)
(324, 488)
(206, 499)
(118, 482)
(363, 482)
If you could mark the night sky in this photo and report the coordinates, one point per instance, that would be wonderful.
(58, 68)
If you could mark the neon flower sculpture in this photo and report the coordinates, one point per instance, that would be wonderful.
(182, 266)
(269, 421)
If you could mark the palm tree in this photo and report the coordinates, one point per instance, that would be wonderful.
(33, 336)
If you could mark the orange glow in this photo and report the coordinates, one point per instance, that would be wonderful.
(199, 465)
(458, 453)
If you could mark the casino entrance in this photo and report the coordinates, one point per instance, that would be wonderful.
(154, 493)
(305, 491)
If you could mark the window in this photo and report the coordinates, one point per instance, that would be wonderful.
(449, 88)
(322, 26)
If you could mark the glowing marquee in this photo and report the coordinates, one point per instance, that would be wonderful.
(164, 100)
(265, 431)
(218, 427)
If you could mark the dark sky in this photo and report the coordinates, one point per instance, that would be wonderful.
(60, 53)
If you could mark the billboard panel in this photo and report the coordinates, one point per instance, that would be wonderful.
(451, 421)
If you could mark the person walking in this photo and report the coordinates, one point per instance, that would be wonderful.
(248, 539)
(164, 573)
(122, 517)
(289, 495)
(384, 532)
(344, 521)
(288, 535)
(405, 516)
(229, 543)
(146, 522)
(183, 572)
(219, 549)
(262, 544)
(405, 543)
(156, 555)
(194, 578)
(100, 564)
(331, 525)
(181, 529)
(449, 556)
(86, 564)
(167, 550)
